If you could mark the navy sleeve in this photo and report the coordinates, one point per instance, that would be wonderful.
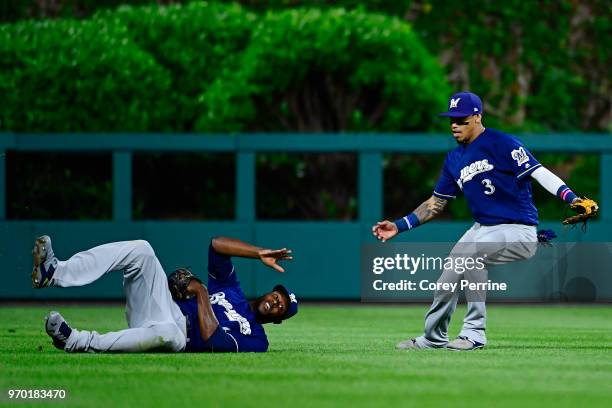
(522, 162)
(250, 343)
(220, 267)
(224, 340)
(446, 187)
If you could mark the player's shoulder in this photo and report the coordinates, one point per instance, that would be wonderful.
(502, 138)
(230, 291)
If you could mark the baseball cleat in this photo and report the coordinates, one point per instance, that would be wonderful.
(57, 329)
(462, 343)
(407, 345)
(44, 265)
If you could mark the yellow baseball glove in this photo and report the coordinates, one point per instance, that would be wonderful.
(585, 207)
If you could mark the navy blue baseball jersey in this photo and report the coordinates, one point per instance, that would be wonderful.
(493, 174)
(238, 328)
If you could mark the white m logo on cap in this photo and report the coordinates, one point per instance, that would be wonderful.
(453, 103)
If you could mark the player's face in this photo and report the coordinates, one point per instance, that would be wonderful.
(272, 305)
(464, 129)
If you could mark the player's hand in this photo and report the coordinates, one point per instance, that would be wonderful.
(270, 257)
(384, 230)
(194, 287)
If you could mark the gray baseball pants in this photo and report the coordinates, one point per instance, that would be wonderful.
(155, 322)
(497, 244)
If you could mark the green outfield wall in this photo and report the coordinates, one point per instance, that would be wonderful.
(327, 254)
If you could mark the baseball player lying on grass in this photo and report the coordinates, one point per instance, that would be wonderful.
(493, 171)
(172, 314)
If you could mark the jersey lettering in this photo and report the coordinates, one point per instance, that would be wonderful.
(219, 299)
(471, 170)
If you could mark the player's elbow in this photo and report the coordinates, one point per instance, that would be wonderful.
(216, 242)
(213, 242)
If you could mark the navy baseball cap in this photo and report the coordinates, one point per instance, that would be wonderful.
(463, 104)
(292, 309)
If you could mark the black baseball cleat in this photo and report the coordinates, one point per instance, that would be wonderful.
(44, 262)
(463, 343)
(57, 329)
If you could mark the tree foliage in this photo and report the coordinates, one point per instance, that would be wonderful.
(71, 76)
(538, 65)
(308, 70)
(167, 68)
(193, 43)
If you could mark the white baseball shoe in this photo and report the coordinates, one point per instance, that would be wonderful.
(463, 343)
(44, 262)
(58, 329)
(409, 344)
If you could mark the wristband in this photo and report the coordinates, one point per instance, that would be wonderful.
(566, 194)
(408, 222)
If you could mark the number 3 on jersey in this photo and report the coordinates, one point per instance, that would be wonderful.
(489, 187)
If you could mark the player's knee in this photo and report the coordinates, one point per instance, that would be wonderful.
(143, 247)
(170, 337)
(444, 296)
(531, 249)
(177, 342)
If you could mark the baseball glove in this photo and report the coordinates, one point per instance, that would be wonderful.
(585, 207)
(178, 282)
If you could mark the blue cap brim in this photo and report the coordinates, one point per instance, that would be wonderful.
(457, 114)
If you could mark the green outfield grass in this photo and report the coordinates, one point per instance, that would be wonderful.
(328, 356)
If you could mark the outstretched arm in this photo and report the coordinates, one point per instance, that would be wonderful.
(586, 208)
(553, 184)
(235, 247)
(430, 208)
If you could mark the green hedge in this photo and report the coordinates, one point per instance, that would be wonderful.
(309, 70)
(79, 76)
(194, 43)
(134, 69)
(538, 66)
(213, 65)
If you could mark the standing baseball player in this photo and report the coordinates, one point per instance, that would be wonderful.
(494, 172)
(172, 314)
